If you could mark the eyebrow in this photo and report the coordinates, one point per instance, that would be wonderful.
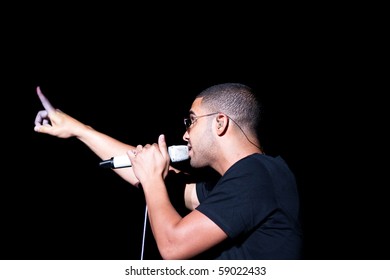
(191, 112)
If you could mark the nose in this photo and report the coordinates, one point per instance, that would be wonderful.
(186, 136)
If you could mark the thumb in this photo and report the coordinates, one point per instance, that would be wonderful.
(163, 146)
(43, 129)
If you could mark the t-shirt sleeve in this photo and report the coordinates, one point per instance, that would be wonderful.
(202, 190)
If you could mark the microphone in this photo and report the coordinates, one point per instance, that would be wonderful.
(176, 153)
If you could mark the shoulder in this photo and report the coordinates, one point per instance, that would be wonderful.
(262, 162)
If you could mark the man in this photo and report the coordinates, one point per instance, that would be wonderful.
(250, 212)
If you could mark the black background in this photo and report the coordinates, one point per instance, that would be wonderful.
(134, 84)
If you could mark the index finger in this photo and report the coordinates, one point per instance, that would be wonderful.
(45, 102)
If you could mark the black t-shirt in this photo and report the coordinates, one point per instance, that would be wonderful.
(256, 204)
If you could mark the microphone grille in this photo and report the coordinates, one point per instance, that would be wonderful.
(178, 152)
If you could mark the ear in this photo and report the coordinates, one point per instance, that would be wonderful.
(222, 122)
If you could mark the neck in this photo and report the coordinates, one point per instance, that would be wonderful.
(227, 156)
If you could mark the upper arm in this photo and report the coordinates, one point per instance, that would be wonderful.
(194, 234)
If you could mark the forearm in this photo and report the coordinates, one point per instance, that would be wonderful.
(190, 197)
(54, 122)
(106, 147)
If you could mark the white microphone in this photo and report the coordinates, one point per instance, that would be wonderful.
(176, 153)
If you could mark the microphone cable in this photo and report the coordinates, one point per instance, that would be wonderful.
(144, 232)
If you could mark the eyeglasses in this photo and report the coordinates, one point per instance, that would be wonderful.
(192, 119)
